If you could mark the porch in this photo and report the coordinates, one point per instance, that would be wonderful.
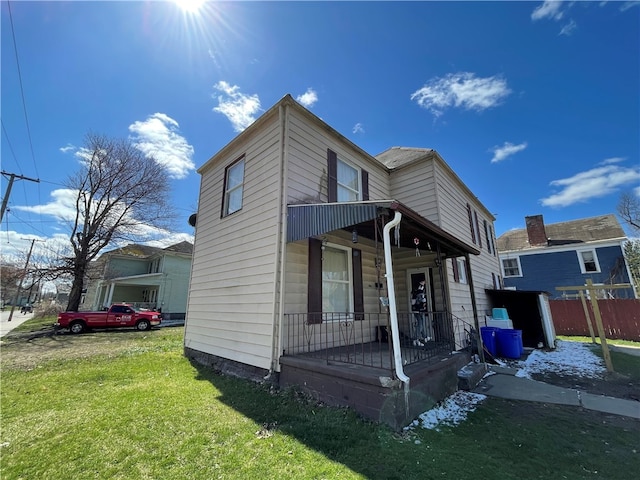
(347, 360)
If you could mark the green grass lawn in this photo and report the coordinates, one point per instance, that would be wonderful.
(129, 405)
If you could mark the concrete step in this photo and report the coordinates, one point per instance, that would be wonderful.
(470, 375)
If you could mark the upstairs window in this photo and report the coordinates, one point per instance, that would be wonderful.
(347, 183)
(588, 261)
(511, 267)
(233, 187)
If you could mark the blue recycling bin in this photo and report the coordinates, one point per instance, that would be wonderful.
(488, 335)
(509, 343)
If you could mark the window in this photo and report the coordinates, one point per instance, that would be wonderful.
(477, 225)
(511, 267)
(471, 227)
(233, 186)
(346, 182)
(486, 235)
(588, 261)
(459, 269)
(336, 280)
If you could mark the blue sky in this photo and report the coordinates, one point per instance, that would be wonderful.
(535, 105)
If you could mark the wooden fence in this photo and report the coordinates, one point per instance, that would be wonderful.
(620, 318)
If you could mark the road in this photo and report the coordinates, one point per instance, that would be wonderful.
(6, 326)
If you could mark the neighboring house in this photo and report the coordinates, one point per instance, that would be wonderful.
(306, 251)
(543, 257)
(145, 276)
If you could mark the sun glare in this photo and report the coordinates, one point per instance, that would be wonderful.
(190, 6)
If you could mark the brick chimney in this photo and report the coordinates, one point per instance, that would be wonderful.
(535, 230)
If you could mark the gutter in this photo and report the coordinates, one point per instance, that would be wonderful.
(395, 332)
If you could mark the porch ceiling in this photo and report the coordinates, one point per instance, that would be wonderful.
(306, 221)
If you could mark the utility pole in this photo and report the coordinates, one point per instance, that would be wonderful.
(12, 177)
(24, 274)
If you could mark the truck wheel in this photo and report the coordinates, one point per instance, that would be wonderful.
(143, 325)
(77, 327)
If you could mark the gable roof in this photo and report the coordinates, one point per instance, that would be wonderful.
(584, 230)
(146, 251)
(182, 247)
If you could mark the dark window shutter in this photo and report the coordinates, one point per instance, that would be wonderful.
(365, 185)
(493, 245)
(358, 293)
(486, 234)
(314, 279)
(473, 231)
(456, 274)
(224, 193)
(332, 168)
(475, 214)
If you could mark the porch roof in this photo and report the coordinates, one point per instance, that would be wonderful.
(308, 220)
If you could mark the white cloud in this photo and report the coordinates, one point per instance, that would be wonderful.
(308, 98)
(506, 150)
(597, 182)
(158, 137)
(62, 206)
(627, 5)
(549, 9)
(68, 148)
(609, 161)
(238, 107)
(568, 29)
(463, 90)
(358, 128)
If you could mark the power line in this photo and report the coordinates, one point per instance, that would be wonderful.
(24, 103)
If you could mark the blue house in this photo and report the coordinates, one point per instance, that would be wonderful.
(542, 257)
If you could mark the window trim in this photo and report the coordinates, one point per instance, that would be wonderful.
(225, 191)
(581, 261)
(504, 271)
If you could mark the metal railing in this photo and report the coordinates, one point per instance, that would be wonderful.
(365, 338)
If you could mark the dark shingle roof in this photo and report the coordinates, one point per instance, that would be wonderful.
(603, 227)
(182, 247)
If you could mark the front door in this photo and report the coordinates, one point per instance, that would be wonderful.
(414, 277)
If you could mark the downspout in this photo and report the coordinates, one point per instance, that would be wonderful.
(395, 332)
(281, 244)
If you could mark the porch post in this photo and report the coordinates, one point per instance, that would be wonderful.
(110, 296)
(472, 291)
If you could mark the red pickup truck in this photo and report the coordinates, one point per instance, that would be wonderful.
(119, 315)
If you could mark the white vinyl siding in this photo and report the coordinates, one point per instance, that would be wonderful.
(231, 299)
(307, 179)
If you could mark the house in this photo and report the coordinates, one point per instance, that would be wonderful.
(543, 257)
(145, 276)
(306, 251)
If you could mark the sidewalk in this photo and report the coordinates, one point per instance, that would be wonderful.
(17, 319)
(502, 382)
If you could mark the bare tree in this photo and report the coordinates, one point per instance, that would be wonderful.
(121, 195)
(629, 210)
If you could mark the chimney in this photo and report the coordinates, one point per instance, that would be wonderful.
(535, 230)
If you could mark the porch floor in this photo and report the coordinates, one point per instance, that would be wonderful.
(378, 355)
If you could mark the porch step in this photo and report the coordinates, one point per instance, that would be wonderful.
(470, 375)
